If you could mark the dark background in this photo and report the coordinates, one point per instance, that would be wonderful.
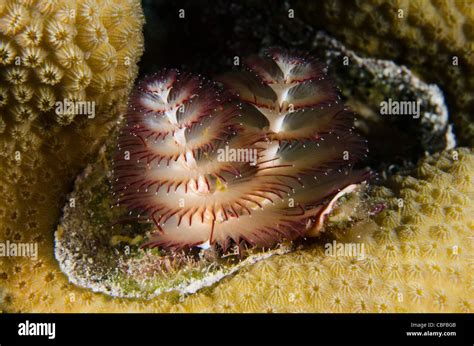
(214, 31)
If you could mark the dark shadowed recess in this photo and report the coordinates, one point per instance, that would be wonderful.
(211, 34)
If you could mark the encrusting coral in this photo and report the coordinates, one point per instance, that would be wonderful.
(434, 38)
(66, 69)
(413, 260)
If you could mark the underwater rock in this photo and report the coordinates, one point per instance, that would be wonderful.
(368, 83)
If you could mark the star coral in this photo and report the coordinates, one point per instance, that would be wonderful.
(414, 271)
(422, 276)
(171, 167)
(48, 54)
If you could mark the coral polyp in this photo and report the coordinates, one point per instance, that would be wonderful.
(256, 163)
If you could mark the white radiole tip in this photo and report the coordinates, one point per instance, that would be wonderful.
(205, 246)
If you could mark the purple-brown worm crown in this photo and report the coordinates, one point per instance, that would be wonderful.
(257, 162)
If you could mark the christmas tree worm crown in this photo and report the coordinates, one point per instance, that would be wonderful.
(257, 163)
